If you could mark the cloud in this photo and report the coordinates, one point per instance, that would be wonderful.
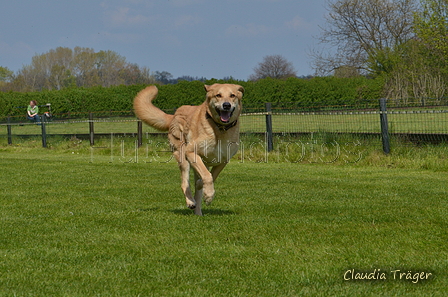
(13, 55)
(249, 30)
(123, 16)
(298, 24)
(116, 37)
(183, 3)
(171, 41)
(19, 48)
(186, 21)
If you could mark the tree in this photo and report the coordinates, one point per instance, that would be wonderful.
(360, 29)
(108, 64)
(163, 77)
(28, 79)
(190, 78)
(83, 67)
(420, 66)
(431, 28)
(274, 66)
(5, 74)
(133, 74)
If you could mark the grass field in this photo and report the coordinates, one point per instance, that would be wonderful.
(73, 225)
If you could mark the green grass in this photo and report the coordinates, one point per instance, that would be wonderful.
(102, 227)
(81, 126)
(316, 148)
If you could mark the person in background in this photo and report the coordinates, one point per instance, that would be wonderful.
(32, 112)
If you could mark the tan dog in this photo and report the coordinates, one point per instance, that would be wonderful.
(204, 136)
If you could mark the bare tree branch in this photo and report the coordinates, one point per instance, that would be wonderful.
(356, 29)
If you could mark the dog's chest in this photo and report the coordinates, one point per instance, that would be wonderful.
(217, 151)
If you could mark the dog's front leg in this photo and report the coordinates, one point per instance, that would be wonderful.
(184, 167)
(207, 179)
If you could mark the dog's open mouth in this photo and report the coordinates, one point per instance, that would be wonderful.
(224, 115)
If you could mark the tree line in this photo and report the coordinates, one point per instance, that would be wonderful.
(405, 42)
(83, 67)
(79, 67)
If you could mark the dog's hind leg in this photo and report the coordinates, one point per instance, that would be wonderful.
(198, 193)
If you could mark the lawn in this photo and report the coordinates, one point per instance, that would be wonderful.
(73, 225)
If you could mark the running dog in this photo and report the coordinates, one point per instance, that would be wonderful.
(201, 137)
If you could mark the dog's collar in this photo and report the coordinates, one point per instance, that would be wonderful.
(220, 126)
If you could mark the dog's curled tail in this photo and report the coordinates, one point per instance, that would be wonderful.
(148, 113)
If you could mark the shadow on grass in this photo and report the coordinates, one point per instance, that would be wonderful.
(187, 212)
(205, 212)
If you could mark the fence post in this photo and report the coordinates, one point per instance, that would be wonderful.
(8, 127)
(44, 132)
(384, 126)
(91, 129)
(269, 137)
(139, 133)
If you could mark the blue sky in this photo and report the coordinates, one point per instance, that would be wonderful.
(212, 39)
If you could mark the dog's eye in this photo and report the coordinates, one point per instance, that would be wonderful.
(218, 96)
(232, 96)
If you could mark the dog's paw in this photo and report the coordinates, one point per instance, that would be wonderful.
(208, 199)
(191, 204)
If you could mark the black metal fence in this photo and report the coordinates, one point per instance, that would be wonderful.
(377, 123)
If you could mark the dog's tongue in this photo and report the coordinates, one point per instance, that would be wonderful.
(225, 116)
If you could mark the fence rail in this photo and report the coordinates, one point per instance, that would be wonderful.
(414, 123)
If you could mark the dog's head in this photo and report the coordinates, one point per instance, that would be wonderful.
(224, 102)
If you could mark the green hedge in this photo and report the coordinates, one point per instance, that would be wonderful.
(319, 91)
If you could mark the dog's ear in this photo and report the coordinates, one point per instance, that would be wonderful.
(208, 88)
(241, 89)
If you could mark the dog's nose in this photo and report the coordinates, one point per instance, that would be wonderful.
(226, 106)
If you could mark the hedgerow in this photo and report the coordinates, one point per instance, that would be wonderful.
(319, 91)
